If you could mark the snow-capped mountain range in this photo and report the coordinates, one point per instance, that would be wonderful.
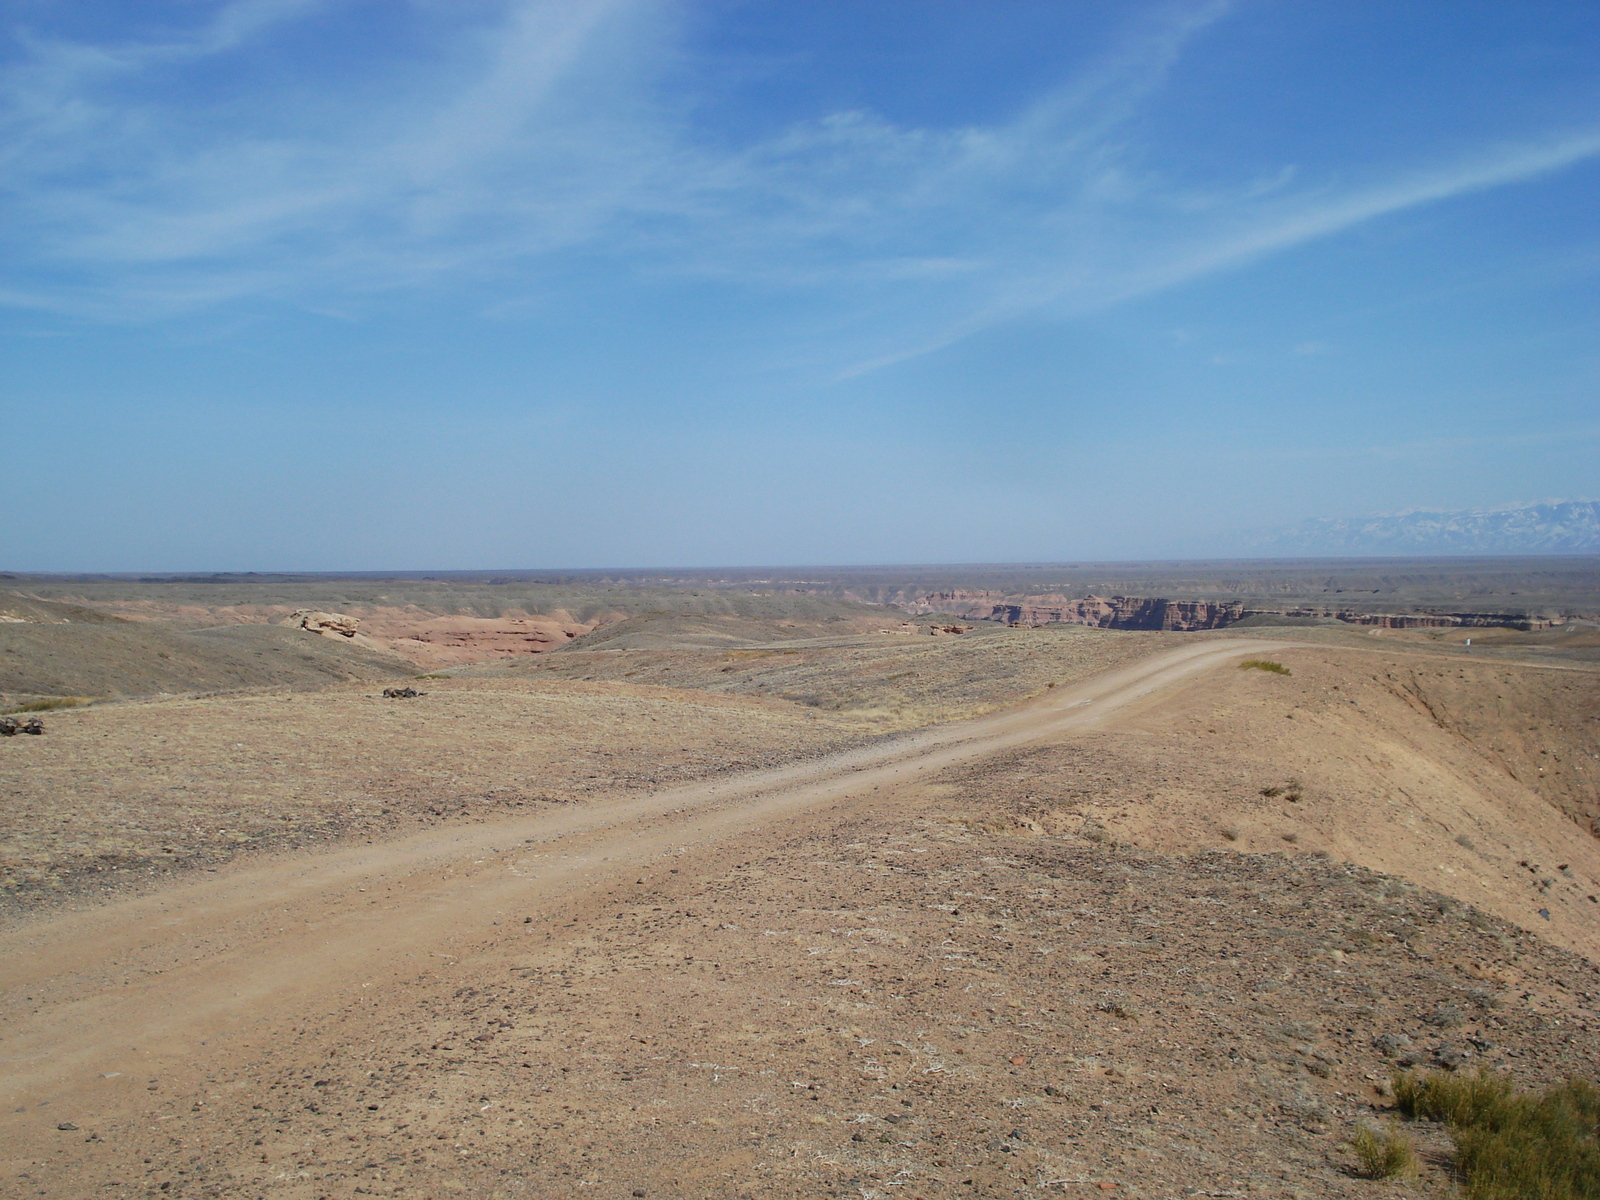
(1555, 527)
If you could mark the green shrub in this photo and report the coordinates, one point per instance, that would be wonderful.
(1385, 1153)
(1458, 1100)
(46, 705)
(1511, 1145)
(1265, 664)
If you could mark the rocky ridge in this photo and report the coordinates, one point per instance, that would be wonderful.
(1160, 613)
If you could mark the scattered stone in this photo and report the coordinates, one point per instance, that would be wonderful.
(1389, 1043)
(1446, 1016)
(402, 693)
(66, 1126)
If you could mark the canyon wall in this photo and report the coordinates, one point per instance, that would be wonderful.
(1114, 612)
(1142, 612)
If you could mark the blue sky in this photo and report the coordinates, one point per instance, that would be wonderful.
(341, 284)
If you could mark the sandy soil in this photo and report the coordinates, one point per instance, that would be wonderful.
(125, 792)
(150, 788)
(1477, 780)
(890, 680)
(873, 973)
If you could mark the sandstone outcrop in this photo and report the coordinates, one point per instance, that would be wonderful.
(1420, 620)
(1158, 613)
(1115, 612)
(326, 623)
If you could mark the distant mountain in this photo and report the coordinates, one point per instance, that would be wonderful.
(1568, 527)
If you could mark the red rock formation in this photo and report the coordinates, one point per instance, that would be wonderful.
(1115, 612)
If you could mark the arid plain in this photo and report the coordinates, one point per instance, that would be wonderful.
(705, 887)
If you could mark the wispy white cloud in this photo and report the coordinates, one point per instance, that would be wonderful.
(1427, 448)
(133, 203)
(1072, 282)
(549, 131)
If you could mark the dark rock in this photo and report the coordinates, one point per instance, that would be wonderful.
(1446, 1016)
(1388, 1043)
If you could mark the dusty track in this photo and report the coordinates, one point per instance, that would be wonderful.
(167, 973)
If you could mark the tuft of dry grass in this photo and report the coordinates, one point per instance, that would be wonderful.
(1384, 1153)
(52, 703)
(1265, 664)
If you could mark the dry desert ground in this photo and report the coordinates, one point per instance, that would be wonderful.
(844, 912)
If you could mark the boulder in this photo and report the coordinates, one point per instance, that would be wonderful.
(326, 623)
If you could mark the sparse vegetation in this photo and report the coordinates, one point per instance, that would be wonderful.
(1384, 1153)
(1265, 664)
(1095, 832)
(52, 703)
(1513, 1145)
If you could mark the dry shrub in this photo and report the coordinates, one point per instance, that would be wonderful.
(1384, 1153)
(1264, 664)
(46, 705)
(1511, 1145)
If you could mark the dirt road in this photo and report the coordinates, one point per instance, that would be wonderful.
(163, 975)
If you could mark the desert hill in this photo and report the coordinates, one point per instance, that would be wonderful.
(772, 904)
(210, 633)
(458, 619)
(50, 649)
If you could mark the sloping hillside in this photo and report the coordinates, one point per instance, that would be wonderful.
(49, 649)
(1477, 780)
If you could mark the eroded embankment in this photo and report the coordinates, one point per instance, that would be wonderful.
(1161, 613)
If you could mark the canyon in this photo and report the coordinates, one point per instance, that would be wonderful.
(1160, 613)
